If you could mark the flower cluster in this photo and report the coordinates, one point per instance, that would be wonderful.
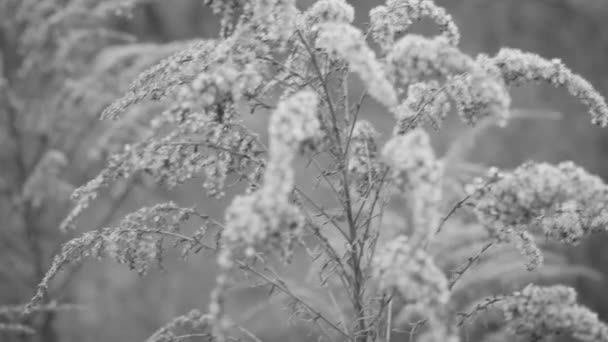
(518, 67)
(397, 15)
(476, 86)
(415, 57)
(348, 43)
(417, 174)
(265, 218)
(363, 164)
(274, 19)
(410, 272)
(563, 201)
(164, 77)
(137, 241)
(544, 311)
(324, 11)
(549, 195)
(480, 93)
(193, 321)
(204, 136)
(427, 103)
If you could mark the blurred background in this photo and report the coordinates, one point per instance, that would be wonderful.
(118, 305)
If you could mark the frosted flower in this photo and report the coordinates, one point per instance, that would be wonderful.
(348, 43)
(426, 104)
(324, 11)
(362, 163)
(415, 57)
(539, 312)
(412, 273)
(518, 67)
(396, 16)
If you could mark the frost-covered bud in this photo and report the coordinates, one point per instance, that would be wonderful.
(539, 312)
(518, 67)
(348, 43)
(426, 104)
(363, 164)
(396, 16)
(324, 11)
(411, 272)
(293, 122)
(415, 57)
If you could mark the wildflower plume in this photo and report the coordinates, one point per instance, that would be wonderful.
(539, 312)
(518, 67)
(323, 11)
(409, 271)
(396, 16)
(348, 43)
(417, 175)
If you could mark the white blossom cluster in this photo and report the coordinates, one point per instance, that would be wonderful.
(544, 193)
(476, 86)
(411, 272)
(427, 104)
(480, 93)
(164, 77)
(324, 11)
(417, 175)
(544, 311)
(274, 19)
(414, 58)
(564, 201)
(518, 67)
(265, 219)
(137, 241)
(397, 15)
(363, 165)
(348, 43)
